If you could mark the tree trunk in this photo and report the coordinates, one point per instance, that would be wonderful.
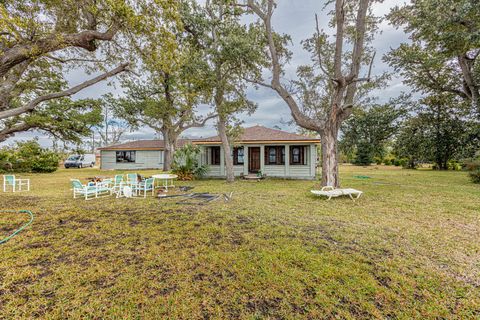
(329, 143)
(170, 141)
(222, 131)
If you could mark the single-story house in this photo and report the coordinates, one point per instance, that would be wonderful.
(272, 152)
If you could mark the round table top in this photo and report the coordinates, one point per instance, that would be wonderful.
(164, 176)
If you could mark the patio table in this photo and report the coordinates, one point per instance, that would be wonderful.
(166, 178)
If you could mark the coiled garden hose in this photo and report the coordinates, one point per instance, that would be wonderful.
(19, 229)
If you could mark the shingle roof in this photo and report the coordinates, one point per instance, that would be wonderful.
(261, 133)
(143, 145)
(252, 134)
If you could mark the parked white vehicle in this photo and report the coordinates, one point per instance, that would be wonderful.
(80, 161)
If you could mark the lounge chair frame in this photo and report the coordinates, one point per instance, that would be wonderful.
(330, 192)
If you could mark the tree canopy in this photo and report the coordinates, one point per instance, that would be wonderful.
(443, 56)
(41, 41)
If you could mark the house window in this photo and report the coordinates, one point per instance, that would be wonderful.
(275, 155)
(238, 155)
(297, 155)
(215, 156)
(272, 155)
(125, 156)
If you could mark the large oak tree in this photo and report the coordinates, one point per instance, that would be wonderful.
(40, 41)
(233, 52)
(327, 89)
(443, 56)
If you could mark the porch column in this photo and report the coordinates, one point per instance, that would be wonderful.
(222, 161)
(202, 156)
(245, 160)
(313, 158)
(262, 159)
(287, 160)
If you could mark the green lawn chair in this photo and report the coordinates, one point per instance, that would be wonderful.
(10, 181)
(132, 179)
(145, 186)
(90, 191)
(118, 183)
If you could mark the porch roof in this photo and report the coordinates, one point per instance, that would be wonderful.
(252, 135)
(261, 134)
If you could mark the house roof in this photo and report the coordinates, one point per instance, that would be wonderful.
(259, 133)
(255, 134)
(143, 145)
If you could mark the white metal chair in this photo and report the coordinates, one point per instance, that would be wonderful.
(10, 181)
(145, 186)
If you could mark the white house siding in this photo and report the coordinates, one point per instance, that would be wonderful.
(280, 171)
(214, 171)
(144, 159)
(301, 172)
(238, 170)
(274, 170)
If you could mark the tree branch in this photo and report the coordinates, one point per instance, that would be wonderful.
(300, 118)
(10, 131)
(319, 49)
(358, 48)
(198, 124)
(30, 106)
(62, 60)
(84, 39)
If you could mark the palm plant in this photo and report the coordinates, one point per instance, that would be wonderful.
(186, 165)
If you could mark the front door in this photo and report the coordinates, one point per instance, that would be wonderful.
(253, 159)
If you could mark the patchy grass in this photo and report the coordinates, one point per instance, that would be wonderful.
(409, 248)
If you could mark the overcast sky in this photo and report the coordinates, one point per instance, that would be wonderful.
(296, 18)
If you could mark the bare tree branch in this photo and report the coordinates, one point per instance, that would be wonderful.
(300, 118)
(319, 48)
(198, 124)
(63, 60)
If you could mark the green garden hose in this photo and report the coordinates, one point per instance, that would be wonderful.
(19, 229)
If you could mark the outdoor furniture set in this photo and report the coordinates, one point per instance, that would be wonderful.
(130, 185)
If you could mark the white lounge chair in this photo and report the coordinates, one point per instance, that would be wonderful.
(331, 192)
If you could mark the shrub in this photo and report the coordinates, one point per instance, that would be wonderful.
(471, 165)
(454, 165)
(185, 163)
(378, 160)
(475, 176)
(28, 157)
(48, 162)
(364, 156)
(403, 162)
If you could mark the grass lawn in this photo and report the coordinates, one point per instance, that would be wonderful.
(409, 248)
